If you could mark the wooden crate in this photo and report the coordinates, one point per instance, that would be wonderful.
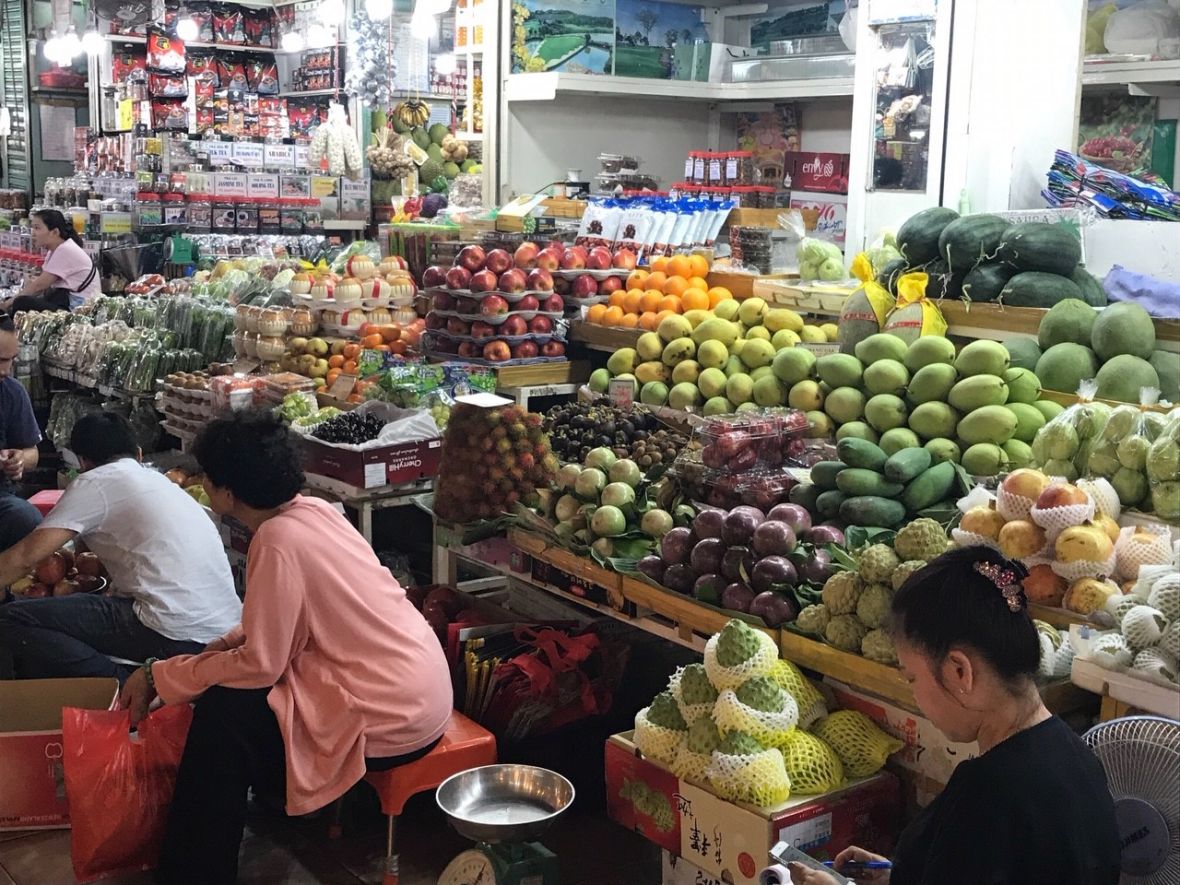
(693, 622)
(742, 285)
(606, 338)
(579, 566)
(569, 372)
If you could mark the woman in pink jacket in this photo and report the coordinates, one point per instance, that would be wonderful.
(331, 672)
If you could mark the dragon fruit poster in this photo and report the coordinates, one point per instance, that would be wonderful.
(1116, 131)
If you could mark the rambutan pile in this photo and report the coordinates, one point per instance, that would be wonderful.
(492, 459)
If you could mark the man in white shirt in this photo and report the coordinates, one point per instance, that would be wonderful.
(173, 589)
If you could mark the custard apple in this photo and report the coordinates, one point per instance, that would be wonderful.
(703, 736)
(877, 564)
(762, 693)
(814, 619)
(878, 646)
(1170, 641)
(841, 591)
(922, 539)
(1143, 626)
(903, 571)
(1118, 605)
(1156, 662)
(737, 643)
(695, 687)
(845, 632)
(664, 712)
(738, 743)
(873, 606)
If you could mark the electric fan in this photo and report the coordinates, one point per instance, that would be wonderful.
(1141, 755)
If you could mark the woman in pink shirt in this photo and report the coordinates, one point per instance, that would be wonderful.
(332, 671)
(69, 277)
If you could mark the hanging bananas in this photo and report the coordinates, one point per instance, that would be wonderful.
(413, 112)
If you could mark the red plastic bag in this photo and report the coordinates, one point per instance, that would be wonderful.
(119, 787)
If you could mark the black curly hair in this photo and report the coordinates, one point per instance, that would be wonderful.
(253, 455)
(948, 604)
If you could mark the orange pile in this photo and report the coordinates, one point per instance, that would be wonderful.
(669, 286)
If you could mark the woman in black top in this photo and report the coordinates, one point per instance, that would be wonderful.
(1034, 806)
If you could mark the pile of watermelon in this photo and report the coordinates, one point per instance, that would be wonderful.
(986, 258)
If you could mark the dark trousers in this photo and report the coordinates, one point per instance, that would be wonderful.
(50, 299)
(72, 636)
(17, 519)
(233, 744)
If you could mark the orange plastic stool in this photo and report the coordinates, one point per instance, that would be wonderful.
(46, 499)
(464, 745)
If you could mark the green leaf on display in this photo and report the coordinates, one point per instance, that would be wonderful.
(858, 536)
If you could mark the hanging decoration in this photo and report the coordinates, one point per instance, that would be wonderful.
(372, 68)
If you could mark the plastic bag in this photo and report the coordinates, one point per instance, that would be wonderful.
(1163, 469)
(1063, 446)
(915, 315)
(1142, 29)
(1120, 452)
(120, 787)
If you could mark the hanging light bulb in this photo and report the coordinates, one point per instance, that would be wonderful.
(70, 46)
(379, 10)
(187, 28)
(52, 48)
(423, 25)
(93, 42)
(445, 64)
(318, 36)
(292, 41)
(332, 12)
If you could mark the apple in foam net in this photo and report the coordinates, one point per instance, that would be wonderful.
(434, 276)
(598, 258)
(584, 286)
(482, 330)
(525, 256)
(625, 259)
(553, 304)
(497, 351)
(541, 325)
(1061, 494)
(526, 350)
(610, 284)
(514, 326)
(513, 281)
(483, 281)
(571, 260)
(498, 261)
(471, 257)
(528, 302)
(552, 348)
(458, 277)
(493, 305)
(539, 280)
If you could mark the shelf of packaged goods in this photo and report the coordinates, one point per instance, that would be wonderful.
(223, 47)
(1165, 73)
(311, 93)
(546, 86)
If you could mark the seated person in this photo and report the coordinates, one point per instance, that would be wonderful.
(163, 553)
(331, 672)
(19, 435)
(68, 278)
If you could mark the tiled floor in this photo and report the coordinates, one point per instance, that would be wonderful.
(592, 851)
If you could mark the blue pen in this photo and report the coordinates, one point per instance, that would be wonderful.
(856, 866)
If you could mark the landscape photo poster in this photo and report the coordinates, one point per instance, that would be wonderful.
(574, 36)
(806, 21)
(770, 135)
(646, 31)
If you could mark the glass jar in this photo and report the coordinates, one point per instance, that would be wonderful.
(699, 173)
(715, 163)
(270, 347)
(270, 221)
(148, 211)
(247, 217)
(291, 216)
(303, 322)
(766, 196)
(175, 209)
(200, 215)
(739, 168)
(224, 216)
(272, 324)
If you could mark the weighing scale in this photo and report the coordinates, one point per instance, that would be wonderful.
(503, 808)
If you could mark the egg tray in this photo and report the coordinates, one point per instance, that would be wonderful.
(510, 297)
(498, 318)
(574, 273)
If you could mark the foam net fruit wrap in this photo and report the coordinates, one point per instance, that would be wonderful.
(691, 766)
(690, 712)
(812, 765)
(971, 539)
(758, 664)
(1012, 506)
(1106, 499)
(1083, 568)
(860, 744)
(760, 779)
(1055, 520)
(1138, 546)
(655, 741)
(771, 729)
(1165, 595)
(807, 697)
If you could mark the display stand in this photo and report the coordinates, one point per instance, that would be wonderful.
(366, 501)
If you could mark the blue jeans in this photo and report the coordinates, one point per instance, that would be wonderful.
(17, 519)
(72, 636)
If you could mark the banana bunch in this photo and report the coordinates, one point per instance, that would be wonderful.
(453, 150)
(413, 112)
(387, 155)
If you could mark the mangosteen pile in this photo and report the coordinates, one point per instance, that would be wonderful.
(575, 429)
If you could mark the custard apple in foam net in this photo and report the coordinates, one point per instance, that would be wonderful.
(1143, 626)
(1118, 605)
(841, 592)
(737, 643)
(814, 619)
(921, 539)
(903, 571)
(812, 765)
(665, 713)
(878, 646)
(738, 743)
(808, 699)
(762, 693)
(695, 687)
(1156, 663)
(877, 563)
(1165, 595)
(703, 736)
(845, 632)
(738, 653)
(1111, 651)
(1170, 641)
(873, 606)
(860, 744)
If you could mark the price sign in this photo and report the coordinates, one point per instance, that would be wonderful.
(279, 156)
(221, 153)
(823, 349)
(125, 115)
(301, 155)
(342, 386)
(622, 393)
(246, 153)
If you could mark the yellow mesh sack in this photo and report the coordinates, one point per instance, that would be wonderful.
(691, 766)
(769, 729)
(807, 697)
(689, 712)
(655, 741)
(860, 744)
(760, 779)
(812, 766)
(758, 664)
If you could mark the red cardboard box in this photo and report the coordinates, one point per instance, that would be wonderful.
(812, 171)
(32, 780)
(376, 467)
(732, 841)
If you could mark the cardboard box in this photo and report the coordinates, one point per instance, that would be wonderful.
(828, 211)
(372, 468)
(812, 171)
(731, 841)
(678, 871)
(32, 779)
(927, 755)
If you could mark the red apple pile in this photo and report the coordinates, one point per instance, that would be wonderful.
(61, 573)
(492, 459)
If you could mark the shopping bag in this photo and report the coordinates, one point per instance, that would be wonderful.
(119, 786)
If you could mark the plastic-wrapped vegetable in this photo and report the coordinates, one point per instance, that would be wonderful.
(820, 260)
(1063, 446)
(1120, 452)
(1163, 469)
